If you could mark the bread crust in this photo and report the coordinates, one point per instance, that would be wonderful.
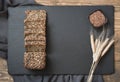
(34, 39)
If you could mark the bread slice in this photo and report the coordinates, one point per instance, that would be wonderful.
(34, 48)
(35, 60)
(34, 31)
(35, 24)
(35, 36)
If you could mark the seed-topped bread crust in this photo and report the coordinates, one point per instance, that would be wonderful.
(34, 39)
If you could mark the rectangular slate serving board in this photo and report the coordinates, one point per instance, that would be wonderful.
(68, 43)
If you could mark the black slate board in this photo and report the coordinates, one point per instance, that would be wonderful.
(68, 45)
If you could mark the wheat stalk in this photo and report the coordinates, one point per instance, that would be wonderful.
(99, 46)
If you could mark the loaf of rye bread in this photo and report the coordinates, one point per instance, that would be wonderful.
(34, 39)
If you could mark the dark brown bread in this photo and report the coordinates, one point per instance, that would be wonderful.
(35, 40)
(97, 18)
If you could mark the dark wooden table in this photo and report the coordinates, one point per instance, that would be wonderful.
(5, 77)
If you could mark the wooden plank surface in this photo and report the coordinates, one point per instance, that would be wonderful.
(5, 77)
